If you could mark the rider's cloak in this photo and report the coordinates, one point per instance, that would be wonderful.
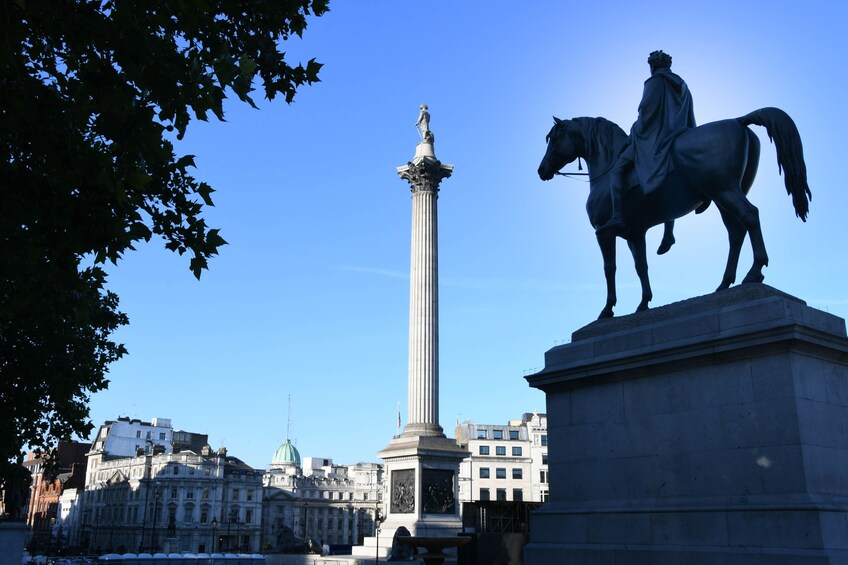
(664, 113)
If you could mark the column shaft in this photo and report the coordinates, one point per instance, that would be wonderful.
(424, 311)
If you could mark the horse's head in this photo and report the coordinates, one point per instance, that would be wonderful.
(562, 149)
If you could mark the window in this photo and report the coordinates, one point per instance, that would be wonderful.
(513, 434)
(517, 495)
(497, 434)
(190, 493)
(138, 433)
(484, 472)
(204, 515)
(205, 494)
(484, 450)
(161, 435)
(174, 492)
(500, 473)
(544, 440)
(235, 494)
(517, 473)
(543, 476)
(516, 452)
(188, 514)
(148, 435)
(176, 470)
(248, 516)
(501, 494)
(500, 450)
(544, 459)
(484, 494)
(481, 434)
(249, 495)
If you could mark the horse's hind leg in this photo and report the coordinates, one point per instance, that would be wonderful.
(734, 202)
(736, 236)
(606, 242)
(640, 259)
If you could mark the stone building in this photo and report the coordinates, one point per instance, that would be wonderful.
(313, 498)
(507, 462)
(171, 502)
(47, 487)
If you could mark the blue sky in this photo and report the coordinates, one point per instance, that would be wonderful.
(311, 296)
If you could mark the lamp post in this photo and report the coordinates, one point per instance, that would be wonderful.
(50, 538)
(214, 532)
(377, 521)
(156, 494)
(232, 519)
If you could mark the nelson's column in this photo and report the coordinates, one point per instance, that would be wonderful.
(421, 464)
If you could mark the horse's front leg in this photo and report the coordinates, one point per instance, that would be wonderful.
(640, 259)
(606, 242)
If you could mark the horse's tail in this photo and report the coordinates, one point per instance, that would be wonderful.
(790, 153)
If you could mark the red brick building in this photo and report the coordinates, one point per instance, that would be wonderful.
(47, 487)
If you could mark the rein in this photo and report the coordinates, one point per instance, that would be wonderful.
(573, 175)
(590, 180)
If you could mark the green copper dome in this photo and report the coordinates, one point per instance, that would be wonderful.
(287, 453)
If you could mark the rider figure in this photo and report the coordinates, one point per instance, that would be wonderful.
(665, 112)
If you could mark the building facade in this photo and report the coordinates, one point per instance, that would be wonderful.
(46, 490)
(508, 463)
(316, 499)
(170, 502)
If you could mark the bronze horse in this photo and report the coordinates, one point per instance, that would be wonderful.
(716, 162)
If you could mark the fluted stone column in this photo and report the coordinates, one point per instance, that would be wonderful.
(421, 464)
(424, 173)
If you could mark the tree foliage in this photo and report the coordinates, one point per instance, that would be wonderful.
(92, 95)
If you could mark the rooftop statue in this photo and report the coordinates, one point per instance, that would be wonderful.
(667, 167)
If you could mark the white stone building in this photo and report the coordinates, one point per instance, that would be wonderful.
(317, 499)
(507, 462)
(171, 502)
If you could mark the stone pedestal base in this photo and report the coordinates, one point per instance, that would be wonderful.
(422, 473)
(13, 536)
(710, 431)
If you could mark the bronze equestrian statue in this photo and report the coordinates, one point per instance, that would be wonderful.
(677, 170)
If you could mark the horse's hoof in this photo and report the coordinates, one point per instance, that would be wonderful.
(642, 308)
(753, 278)
(724, 285)
(665, 245)
(605, 313)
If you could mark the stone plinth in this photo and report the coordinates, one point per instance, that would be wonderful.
(711, 431)
(422, 473)
(13, 536)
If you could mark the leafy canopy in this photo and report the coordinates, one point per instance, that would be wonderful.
(91, 94)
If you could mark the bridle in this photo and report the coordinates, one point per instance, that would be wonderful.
(574, 176)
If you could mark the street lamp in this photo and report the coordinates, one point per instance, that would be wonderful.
(157, 492)
(52, 531)
(214, 532)
(377, 521)
(233, 518)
